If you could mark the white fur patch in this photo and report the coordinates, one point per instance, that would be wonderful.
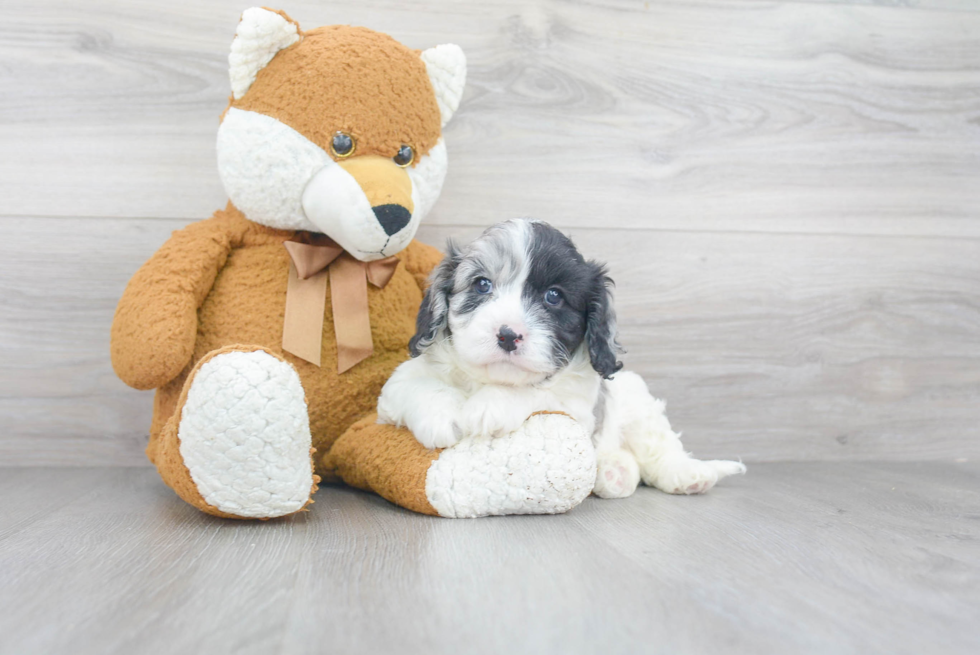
(547, 466)
(265, 166)
(446, 66)
(260, 35)
(245, 435)
(637, 421)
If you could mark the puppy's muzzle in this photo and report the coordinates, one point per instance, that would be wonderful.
(507, 339)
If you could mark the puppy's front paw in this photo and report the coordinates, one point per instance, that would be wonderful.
(490, 413)
(436, 430)
(617, 474)
(693, 476)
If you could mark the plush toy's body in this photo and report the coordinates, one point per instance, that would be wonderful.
(247, 268)
(250, 268)
(269, 329)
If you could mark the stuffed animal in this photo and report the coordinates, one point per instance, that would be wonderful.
(269, 329)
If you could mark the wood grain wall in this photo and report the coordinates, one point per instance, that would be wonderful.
(787, 194)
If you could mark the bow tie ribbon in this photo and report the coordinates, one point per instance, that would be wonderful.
(312, 261)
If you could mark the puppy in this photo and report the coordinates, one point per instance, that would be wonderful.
(517, 322)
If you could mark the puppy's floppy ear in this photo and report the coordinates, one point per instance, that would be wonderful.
(434, 312)
(600, 324)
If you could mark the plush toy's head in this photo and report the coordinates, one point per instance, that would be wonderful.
(336, 130)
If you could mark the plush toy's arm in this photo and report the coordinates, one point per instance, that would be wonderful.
(419, 260)
(155, 326)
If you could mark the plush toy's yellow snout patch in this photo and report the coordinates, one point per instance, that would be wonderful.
(387, 187)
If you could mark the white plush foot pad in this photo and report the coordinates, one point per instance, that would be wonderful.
(245, 435)
(547, 466)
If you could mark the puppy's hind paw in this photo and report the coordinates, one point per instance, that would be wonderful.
(691, 476)
(617, 474)
(726, 467)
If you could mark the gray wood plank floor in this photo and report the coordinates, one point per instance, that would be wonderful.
(793, 558)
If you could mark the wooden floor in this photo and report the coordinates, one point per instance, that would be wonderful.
(793, 558)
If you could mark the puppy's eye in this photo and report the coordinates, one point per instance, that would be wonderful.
(483, 286)
(405, 156)
(553, 297)
(342, 145)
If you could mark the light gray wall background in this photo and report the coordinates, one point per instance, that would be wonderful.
(787, 194)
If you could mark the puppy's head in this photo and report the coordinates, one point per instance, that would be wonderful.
(517, 303)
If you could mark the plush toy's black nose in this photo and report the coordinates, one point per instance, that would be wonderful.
(392, 218)
(507, 339)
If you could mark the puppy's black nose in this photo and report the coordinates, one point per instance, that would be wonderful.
(392, 218)
(507, 339)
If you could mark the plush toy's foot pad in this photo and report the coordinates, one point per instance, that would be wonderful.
(547, 466)
(245, 435)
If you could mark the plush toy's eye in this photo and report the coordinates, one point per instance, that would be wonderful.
(553, 297)
(483, 286)
(405, 156)
(342, 145)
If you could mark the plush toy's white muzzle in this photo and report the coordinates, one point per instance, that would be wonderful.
(368, 205)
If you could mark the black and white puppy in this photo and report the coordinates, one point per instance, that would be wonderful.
(518, 322)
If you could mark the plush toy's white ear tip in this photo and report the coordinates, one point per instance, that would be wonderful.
(260, 35)
(446, 65)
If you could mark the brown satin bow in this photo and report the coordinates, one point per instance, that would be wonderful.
(312, 260)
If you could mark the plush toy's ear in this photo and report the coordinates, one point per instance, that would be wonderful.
(260, 35)
(600, 324)
(446, 65)
(434, 312)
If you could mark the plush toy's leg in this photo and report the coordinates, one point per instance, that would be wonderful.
(545, 467)
(239, 445)
(383, 459)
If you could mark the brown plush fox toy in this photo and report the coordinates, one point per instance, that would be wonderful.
(269, 329)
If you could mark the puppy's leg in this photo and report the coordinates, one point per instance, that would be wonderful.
(658, 450)
(414, 397)
(617, 472)
(494, 410)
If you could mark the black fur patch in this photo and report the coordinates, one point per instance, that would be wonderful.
(470, 300)
(600, 329)
(434, 312)
(585, 312)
